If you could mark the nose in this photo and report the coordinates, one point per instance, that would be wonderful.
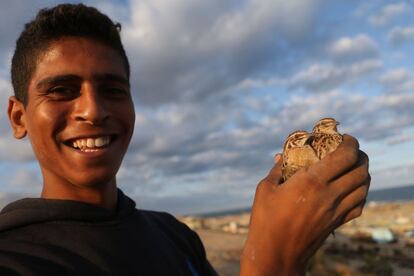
(90, 107)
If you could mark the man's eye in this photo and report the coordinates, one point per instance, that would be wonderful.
(115, 91)
(62, 92)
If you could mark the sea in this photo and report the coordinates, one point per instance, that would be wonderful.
(402, 193)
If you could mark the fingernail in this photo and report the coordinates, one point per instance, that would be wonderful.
(277, 157)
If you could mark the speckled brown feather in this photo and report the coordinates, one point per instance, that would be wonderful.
(297, 153)
(323, 144)
(302, 149)
(325, 137)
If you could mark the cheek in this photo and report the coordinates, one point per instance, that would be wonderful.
(131, 117)
(42, 128)
(126, 115)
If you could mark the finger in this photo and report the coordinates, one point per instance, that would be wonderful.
(353, 200)
(277, 157)
(337, 162)
(354, 213)
(353, 179)
(271, 181)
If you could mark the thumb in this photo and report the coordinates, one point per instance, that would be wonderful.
(275, 174)
(277, 157)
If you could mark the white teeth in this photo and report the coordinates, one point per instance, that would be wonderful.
(90, 143)
(99, 142)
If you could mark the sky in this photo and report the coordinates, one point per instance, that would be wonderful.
(218, 85)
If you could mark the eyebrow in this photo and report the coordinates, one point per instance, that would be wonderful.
(111, 77)
(56, 79)
(71, 77)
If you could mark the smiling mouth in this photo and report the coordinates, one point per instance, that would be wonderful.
(90, 144)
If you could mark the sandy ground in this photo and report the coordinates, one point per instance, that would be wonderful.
(341, 255)
(223, 250)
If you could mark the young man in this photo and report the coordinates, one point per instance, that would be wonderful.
(72, 99)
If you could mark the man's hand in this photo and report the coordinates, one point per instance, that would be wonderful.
(290, 222)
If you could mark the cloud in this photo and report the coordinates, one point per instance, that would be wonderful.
(182, 162)
(186, 157)
(393, 176)
(17, 13)
(5, 92)
(395, 76)
(389, 13)
(323, 77)
(398, 101)
(7, 197)
(19, 179)
(350, 49)
(400, 35)
(10, 148)
(219, 86)
(189, 50)
(363, 8)
(15, 150)
(397, 80)
(404, 138)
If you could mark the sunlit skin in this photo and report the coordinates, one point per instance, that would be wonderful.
(79, 89)
(290, 222)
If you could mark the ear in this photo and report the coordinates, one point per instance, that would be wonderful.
(17, 117)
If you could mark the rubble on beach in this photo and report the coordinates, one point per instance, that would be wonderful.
(381, 239)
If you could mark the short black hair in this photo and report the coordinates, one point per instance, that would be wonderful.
(50, 25)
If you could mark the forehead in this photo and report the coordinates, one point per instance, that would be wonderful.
(79, 56)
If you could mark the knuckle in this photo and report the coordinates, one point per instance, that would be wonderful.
(356, 142)
(364, 156)
(362, 193)
(351, 156)
(366, 190)
(363, 175)
(363, 160)
(368, 181)
(350, 141)
(261, 188)
(363, 203)
(347, 155)
(358, 211)
(261, 185)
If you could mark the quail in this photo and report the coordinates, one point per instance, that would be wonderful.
(302, 149)
(325, 137)
(297, 153)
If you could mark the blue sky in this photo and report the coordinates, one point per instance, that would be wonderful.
(219, 84)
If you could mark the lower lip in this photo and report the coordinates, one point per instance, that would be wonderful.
(93, 152)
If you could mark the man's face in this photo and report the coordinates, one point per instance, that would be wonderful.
(80, 115)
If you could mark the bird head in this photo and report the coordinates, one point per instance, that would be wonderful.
(296, 139)
(326, 125)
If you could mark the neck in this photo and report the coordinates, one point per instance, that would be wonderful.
(104, 196)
